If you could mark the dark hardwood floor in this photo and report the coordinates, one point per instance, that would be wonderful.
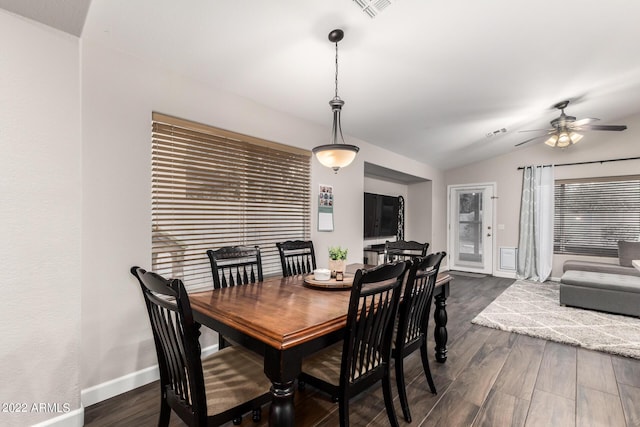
(491, 378)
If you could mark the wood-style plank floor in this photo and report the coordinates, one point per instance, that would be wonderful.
(491, 378)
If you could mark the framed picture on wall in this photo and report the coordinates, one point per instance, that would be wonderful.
(325, 208)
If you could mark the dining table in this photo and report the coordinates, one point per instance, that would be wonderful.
(285, 319)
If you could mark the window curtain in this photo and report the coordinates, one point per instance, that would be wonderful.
(535, 246)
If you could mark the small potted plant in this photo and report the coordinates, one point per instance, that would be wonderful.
(337, 259)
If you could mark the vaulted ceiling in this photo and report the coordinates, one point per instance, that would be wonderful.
(427, 79)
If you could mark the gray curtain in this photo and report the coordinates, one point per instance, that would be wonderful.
(535, 246)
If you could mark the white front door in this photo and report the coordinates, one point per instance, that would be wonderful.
(471, 228)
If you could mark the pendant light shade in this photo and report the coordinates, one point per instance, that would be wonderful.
(337, 154)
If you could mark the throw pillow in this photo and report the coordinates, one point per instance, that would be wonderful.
(627, 252)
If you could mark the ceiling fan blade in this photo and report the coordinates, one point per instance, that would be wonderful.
(537, 130)
(529, 140)
(585, 121)
(604, 127)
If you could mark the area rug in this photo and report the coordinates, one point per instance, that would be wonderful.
(533, 308)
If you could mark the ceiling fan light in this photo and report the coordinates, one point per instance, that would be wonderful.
(335, 156)
(562, 135)
(575, 137)
(552, 141)
(563, 140)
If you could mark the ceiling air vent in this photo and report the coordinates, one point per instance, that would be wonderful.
(372, 7)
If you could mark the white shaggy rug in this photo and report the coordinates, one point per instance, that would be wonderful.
(532, 308)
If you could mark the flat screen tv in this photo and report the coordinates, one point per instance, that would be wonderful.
(380, 215)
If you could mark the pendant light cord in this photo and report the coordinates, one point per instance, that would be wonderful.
(337, 97)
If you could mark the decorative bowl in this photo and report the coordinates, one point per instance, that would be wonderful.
(322, 274)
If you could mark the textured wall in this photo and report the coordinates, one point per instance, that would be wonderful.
(40, 202)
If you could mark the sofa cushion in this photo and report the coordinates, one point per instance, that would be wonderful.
(612, 282)
(627, 252)
(599, 267)
(613, 293)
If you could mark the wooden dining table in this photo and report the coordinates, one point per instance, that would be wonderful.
(284, 319)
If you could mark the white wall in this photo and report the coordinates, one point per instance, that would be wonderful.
(503, 171)
(388, 188)
(421, 211)
(119, 94)
(40, 218)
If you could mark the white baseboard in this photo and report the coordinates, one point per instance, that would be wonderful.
(497, 273)
(73, 418)
(512, 275)
(109, 389)
(114, 387)
(505, 274)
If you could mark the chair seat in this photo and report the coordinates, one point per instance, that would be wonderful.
(325, 364)
(232, 376)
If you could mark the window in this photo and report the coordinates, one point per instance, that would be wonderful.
(591, 215)
(214, 188)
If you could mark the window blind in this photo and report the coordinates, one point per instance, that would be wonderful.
(591, 215)
(214, 188)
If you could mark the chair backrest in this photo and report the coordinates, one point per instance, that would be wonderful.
(404, 250)
(176, 339)
(413, 318)
(373, 306)
(296, 257)
(235, 265)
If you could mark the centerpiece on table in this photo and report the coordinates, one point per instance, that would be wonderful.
(337, 260)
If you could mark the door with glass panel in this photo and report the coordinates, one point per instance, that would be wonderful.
(471, 228)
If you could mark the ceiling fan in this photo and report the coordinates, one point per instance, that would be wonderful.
(564, 129)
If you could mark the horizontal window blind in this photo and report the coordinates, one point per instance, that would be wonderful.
(591, 215)
(214, 188)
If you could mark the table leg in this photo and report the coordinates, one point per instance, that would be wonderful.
(282, 368)
(440, 331)
(281, 413)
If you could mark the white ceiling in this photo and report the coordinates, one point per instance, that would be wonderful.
(65, 15)
(427, 79)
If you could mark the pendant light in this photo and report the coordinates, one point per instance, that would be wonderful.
(337, 154)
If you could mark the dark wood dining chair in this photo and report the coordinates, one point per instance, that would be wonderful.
(232, 266)
(202, 392)
(362, 359)
(413, 321)
(235, 265)
(296, 257)
(403, 250)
